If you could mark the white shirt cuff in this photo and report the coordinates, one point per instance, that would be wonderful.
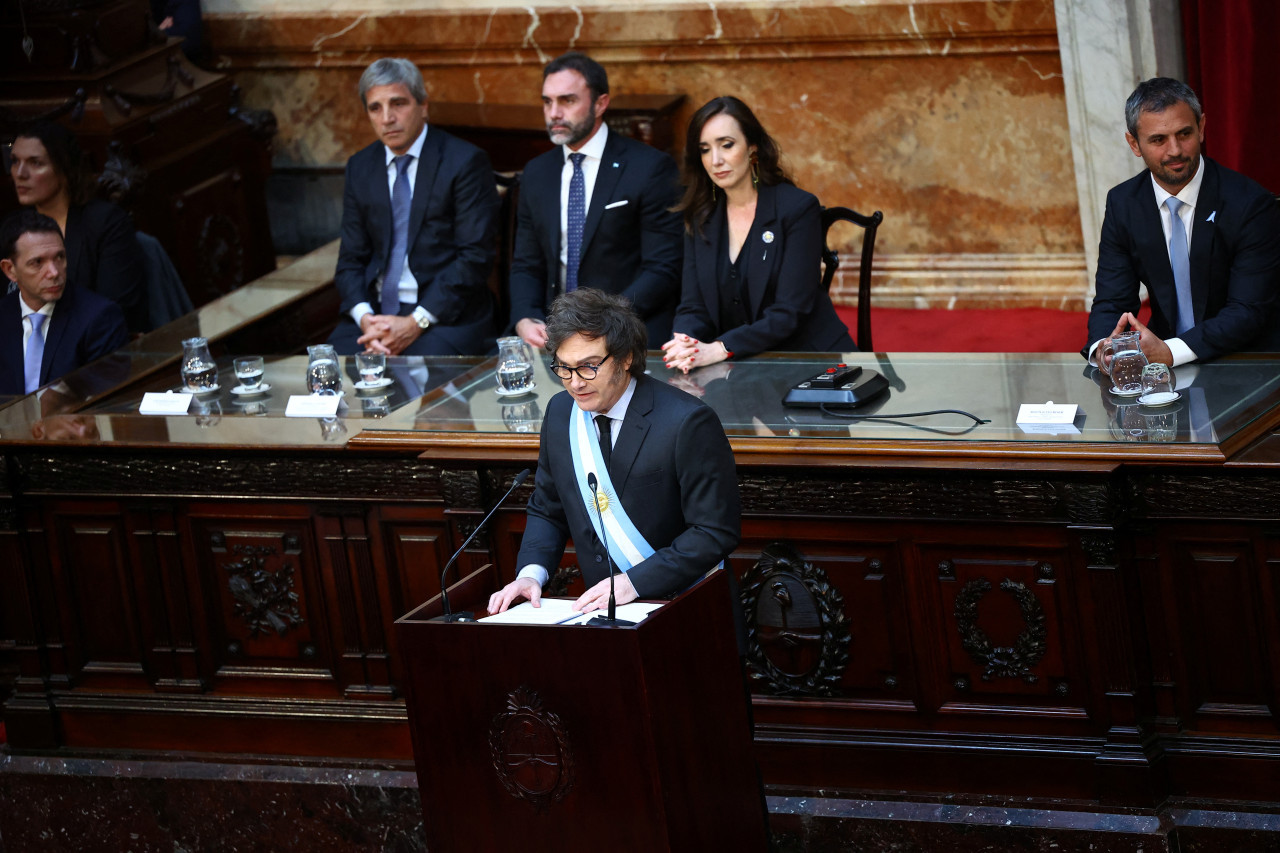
(1182, 353)
(1092, 352)
(420, 311)
(534, 572)
(360, 310)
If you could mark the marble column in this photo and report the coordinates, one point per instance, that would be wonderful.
(1107, 48)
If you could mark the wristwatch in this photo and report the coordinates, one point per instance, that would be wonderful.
(421, 317)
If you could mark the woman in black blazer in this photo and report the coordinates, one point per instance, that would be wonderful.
(50, 173)
(752, 247)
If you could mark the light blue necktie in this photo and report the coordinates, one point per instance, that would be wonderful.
(401, 201)
(577, 219)
(35, 353)
(1180, 260)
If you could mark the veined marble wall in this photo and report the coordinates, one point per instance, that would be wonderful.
(948, 115)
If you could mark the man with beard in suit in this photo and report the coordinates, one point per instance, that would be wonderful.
(1204, 239)
(595, 211)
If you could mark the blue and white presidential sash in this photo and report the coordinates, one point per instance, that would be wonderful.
(626, 545)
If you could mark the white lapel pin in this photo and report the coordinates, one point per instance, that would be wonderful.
(1211, 215)
(767, 237)
(615, 165)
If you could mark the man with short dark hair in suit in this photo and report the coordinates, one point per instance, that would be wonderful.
(419, 214)
(595, 211)
(47, 329)
(667, 486)
(1204, 239)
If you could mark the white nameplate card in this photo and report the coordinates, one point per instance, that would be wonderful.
(166, 403)
(1047, 413)
(1049, 429)
(312, 406)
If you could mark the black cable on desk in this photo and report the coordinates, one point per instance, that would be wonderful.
(977, 420)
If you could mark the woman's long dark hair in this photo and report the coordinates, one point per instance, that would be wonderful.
(68, 159)
(698, 201)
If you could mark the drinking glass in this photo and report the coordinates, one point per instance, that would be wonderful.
(1157, 382)
(322, 369)
(249, 370)
(371, 366)
(515, 366)
(199, 371)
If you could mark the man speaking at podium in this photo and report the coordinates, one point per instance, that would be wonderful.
(665, 480)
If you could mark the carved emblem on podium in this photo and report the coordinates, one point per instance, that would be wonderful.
(265, 599)
(797, 634)
(530, 750)
(1014, 661)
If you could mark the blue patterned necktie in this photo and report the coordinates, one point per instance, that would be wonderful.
(35, 354)
(401, 201)
(577, 219)
(1180, 260)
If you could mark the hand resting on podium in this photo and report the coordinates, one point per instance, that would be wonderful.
(596, 598)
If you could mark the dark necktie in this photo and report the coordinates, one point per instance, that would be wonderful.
(577, 218)
(605, 424)
(1180, 260)
(35, 354)
(401, 201)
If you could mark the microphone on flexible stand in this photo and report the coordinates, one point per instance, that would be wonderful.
(466, 615)
(610, 621)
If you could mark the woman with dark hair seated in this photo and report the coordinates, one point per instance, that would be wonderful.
(50, 173)
(752, 280)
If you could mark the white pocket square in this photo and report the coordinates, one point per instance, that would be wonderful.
(617, 204)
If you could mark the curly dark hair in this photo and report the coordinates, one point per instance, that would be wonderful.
(698, 201)
(595, 314)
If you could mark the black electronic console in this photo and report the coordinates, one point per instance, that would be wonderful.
(843, 386)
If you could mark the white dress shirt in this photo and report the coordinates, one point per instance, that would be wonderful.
(408, 284)
(617, 414)
(594, 151)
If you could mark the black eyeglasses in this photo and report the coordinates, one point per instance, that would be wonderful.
(585, 371)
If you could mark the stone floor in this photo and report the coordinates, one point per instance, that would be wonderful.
(148, 803)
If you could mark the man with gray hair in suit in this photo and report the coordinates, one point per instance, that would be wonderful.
(419, 213)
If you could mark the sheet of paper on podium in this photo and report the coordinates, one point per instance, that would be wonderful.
(559, 611)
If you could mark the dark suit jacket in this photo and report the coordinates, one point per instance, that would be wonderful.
(788, 308)
(673, 471)
(103, 256)
(632, 249)
(1235, 264)
(451, 237)
(84, 327)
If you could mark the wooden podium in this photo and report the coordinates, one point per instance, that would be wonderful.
(550, 737)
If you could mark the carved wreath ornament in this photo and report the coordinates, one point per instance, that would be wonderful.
(530, 750)
(1014, 661)
(264, 599)
(797, 634)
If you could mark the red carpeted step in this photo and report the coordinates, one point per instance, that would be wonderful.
(984, 330)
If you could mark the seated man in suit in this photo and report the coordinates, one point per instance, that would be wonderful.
(1204, 239)
(47, 329)
(666, 482)
(594, 211)
(419, 213)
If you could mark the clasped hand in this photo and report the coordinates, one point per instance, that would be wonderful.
(685, 353)
(387, 333)
(1153, 347)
